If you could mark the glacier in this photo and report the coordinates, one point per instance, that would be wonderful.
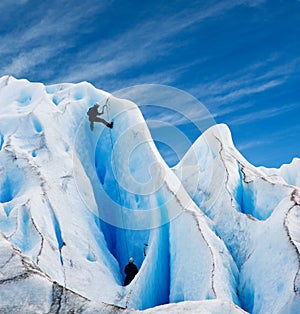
(222, 235)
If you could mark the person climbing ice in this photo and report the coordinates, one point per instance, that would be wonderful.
(93, 114)
(130, 271)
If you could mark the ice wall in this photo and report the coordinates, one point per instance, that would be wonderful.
(251, 212)
(128, 166)
(79, 203)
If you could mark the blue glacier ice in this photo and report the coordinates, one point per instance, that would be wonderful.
(220, 233)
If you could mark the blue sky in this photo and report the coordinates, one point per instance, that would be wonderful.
(241, 59)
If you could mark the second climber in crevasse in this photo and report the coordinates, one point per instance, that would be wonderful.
(130, 271)
(93, 114)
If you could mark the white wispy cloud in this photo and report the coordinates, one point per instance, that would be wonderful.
(149, 40)
(106, 59)
(44, 38)
(225, 94)
(253, 144)
(142, 43)
(246, 78)
(263, 114)
(24, 61)
(244, 91)
(263, 140)
(7, 4)
(164, 77)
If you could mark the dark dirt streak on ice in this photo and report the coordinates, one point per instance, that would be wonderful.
(14, 155)
(294, 194)
(227, 179)
(205, 240)
(42, 239)
(37, 172)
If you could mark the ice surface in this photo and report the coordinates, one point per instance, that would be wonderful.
(24, 288)
(197, 307)
(254, 214)
(289, 172)
(78, 204)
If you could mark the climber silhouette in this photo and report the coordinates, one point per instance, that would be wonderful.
(130, 271)
(93, 114)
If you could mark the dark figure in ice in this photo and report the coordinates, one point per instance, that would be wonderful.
(130, 271)
(93, 114)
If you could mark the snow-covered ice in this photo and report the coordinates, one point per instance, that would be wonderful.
(222, 235)
(289, 172)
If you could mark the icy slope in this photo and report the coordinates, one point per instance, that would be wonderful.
(24, 288)
(257, 217)
(289, 172)
(41, 211)
(79, 203)
(197, 307)
(58, 178)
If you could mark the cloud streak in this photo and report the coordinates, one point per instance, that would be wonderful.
(143, 43)
(263, 114)
(226, 94)
(44, 38)
(252, 144)
(100, 60)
